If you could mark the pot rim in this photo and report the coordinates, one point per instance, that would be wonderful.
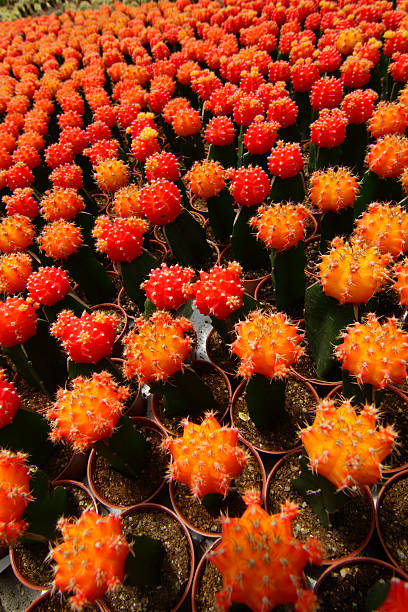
(210, 333)
(272, 453)
(115, 306)
(44, 596)
(209, 534)
(141, 420)
(199, 571)
(365, 491)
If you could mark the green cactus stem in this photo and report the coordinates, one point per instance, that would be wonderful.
(187, 241)
(288, 275)
(221, 214)
(265, 399)
(247, 250)
(292, 189)
(84, 266)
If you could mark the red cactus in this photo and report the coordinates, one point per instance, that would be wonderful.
(303, 74)
(75, 138)
(279, 71)
(9, 401)
(67, 176)
(15, 268)
(60, 239)
(168, 287)
(162, 165)
(329, 130)
(14, 495)
(18, 321)
(28, 155)
(249, 186)
(207, 457)
(161, 201)
(102, 150)
(283, 110)
(261, 136)
(220, 131)
(121, 239)
(88, 338)
(58, 153)
(397, 598)
(19, 176)
(145, 144)
(285, 159)
(246, 109)
(326, 93)
(261, 562)
(98, 130)
(49, 285)
(60, 203)
(219, 292)
(91, 558)
(22, 202)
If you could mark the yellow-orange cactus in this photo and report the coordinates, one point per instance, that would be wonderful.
(156, 348)
(126, 202)
(385, 226)
(353, 272)
(60, 239)
(281, 226)
(14, 494)
(401, 284)
(16, 233)
(206, 178)
(207, 457)
(333, 189)
(347, 40)
(60, 203)
(15, 269)
(267, 344)
(88, 411)
(91, 558)
(388, 118)
(375, 353)
(346, 445)
(388, 157)
(111, 175)
(261, 562)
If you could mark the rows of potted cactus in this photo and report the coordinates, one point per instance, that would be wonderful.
(244, 161)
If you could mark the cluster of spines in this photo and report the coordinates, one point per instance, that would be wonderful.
(333, 189)
(14, 494)
(121, 239)
(281, 226)
(168, 287)
(15, 269)
(219, 292)
(385, 226)
(206, 179)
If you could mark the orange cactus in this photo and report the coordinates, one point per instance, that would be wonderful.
(16, 233)
(261, 562)
(111, 175)
(126, 202)
(281, 226)
(91, 558)
(207, 457)
(388, 157)
(18, 321)
(375, 353)
(88, 411)
(347, 40)
(206, 178)
(60, 203)
(352, 273)
(401, 284)
(266, 344)
(388, 118)
(14, 494)
(157, 347)
(187, 122)
(384, 226)
(15, 269)
(333, 189)
(346, 445)
(60, 239)
(397, 598)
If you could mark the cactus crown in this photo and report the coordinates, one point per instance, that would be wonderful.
(329, 129)
(156, 348)
(346, 445)
(397, 597)
(353, 272)
(161, 201)
(249, 186)
(126, 202)
(60, 239)
(22, 202)
(388, 118)
(285, 159)
(267, 344)
(121, 239)
(48, 285)
(60, 203)
(14, 494)
(333, 189)
(168, 287)
(219, 292)
(9, 400)
(207, 457)
(91, 558)
(16, 233)
(281, 226)
(111, 175)
(385, 226)
(15, 268)
(260, 560)
(375, 353)
(388, 156)
(206, 178)
(88, 411)
(18, 321)
(401, 284)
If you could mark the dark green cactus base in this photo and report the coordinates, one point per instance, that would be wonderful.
(359, 394)
(29, 433)
(265, 399)
(335, 224)
(47, 507)
(250, 253)
(84, 267)
(187, 241)
(373, 188)
(88, 369)
(221, 215)
(290, 189)
(289, 275)
(376, 596)
(304, 117)
(321, 158)
(125, 450)
(133, 273)
(227, 156)
(224, 327)
(355, 147)
(250, 159)
(143, 565)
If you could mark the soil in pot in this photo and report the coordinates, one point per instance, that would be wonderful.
(202, 519)
(121, 490)
(215, 380)
(175, 570)
(228, 256)
(349, 525)
(220, 354)
(346, 587)
(394, 411)
(31, 559)
(393, 521)
(306, 367)
(59, 603)
(300, 406)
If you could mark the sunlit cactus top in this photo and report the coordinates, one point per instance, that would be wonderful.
(261, 561)
(187, 122)
(329, 129)
(220, 131)
(18, 321)
(88, 338)
(268, 344)
(207, 457)
(375, 353)
(168, 287)
(121, 239)
(156, 348)
(88, 411)
(126, 202)
(111, 175)
(60, 239)
(352, 272)
(401, 283)
(385, 226)
(16, 233)
(285, 159)
(388, 156)
(281, 226)
(346, 445)
(397, 598)
(15, 268)
(9, 400)
(61, 203)
(359, 105)
(161, 201)
(219, 292)
(333, 189)
(91, 558)
(22, 202)
(249, 186)
(162, 165)
(388, 118)
(14, 494)
(206, 178)
(48, 285)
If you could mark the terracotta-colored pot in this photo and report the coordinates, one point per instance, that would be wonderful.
(229, 372)
(364, 490)
(323, 386)
(238, 392)
(249, 284)
(193, 200)
(43, 599)
(221, 417)
(75, 468)
(141, 421)
(210, 534)
(121, 313)
(356, 560)
(13, 555)
(383, 492)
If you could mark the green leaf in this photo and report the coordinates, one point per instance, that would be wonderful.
(324, 320)
(265, 399)
(221, 215)
(320, 494)
(250, 253)
(144, 563)
(187, 240)
(46, 508)
(29, 433)
(125, 450)
(376, 595)
(134, 273)
(289, 276)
